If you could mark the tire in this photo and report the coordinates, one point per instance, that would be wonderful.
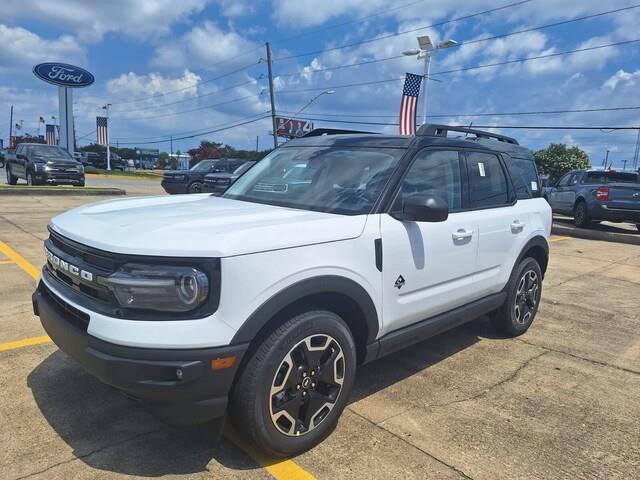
(286, 409)
(11, 180)
(195, 187)
(517, 313)
(580, 215)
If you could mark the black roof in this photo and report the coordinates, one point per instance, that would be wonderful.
(426, 135)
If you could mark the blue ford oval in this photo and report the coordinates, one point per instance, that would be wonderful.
(63, 75)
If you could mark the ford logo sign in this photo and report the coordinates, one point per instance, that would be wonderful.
(63, 75)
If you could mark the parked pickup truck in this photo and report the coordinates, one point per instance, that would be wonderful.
(42, 164)
(217, 183)
(595, 195)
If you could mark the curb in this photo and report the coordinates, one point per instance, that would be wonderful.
(588, 234)
(61, 191)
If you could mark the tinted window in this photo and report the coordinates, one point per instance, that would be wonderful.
(564, 181)
(611, 177)
(487, 181)
(525, 177)
(345, 180)
(434, 172)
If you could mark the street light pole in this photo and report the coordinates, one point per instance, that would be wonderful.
(106, 107)
(426, 51)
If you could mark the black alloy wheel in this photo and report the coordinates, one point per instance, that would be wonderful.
(580, 215)
(524, 291)
(295, 383)
(307, 385)
(195, 187)
(527, 297)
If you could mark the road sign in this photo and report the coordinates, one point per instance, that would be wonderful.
(292, 128)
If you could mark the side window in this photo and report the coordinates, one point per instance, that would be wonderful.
(524, 176)
(564, 180)
(19, 150)
(487, 182)
(573, 180)
(435, 172)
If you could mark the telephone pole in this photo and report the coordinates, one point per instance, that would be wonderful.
(637, 152)
(11, 128)
(272, 96)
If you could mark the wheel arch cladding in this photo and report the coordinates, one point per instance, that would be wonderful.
(340, 295)
(538, 249)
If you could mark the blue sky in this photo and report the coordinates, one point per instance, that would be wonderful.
(155, 61)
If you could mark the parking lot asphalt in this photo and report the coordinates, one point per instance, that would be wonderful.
(561, 401)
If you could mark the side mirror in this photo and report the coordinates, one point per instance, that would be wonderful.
(423, 208)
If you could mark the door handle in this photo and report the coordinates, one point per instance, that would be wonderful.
(517, 226)
(462, 234)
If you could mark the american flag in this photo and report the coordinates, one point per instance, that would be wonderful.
(50, 130)
(101, 130)
(409, 104)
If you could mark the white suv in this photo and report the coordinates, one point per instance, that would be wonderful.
(263, 301)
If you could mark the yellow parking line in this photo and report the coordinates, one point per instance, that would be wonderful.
(6, 262)
(26, 342)
(19, 260)
(280, 469)
(559, 239)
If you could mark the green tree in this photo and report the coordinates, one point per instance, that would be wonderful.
(557, 159)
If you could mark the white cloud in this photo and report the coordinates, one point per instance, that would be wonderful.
(203, 47)
(91, 20)
(21, 49)
(621, 76)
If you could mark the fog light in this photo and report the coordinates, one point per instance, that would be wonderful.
(179, 374)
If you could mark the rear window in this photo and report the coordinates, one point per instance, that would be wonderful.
(524, 176)
(611, 177)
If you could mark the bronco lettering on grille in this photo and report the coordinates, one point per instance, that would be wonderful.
(59, 264)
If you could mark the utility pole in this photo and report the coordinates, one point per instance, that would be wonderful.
(171, 140)
(624, 164)
(272, 96)
(257, 143)
(11, 128)
(606, 160)
(635, 156)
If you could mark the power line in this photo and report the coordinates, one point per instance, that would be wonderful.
(475, 67)
(197, 97)
(214, 130)
(461, 44)
(357, 20)
(202, 82)
(182, 112)
(484, 114)
(383, 37)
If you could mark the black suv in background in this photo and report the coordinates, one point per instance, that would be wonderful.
(217, 183)
(41, 164)
(191, 181)
(595, 195)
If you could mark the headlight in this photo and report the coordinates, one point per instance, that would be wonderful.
(47, 168)
(160, 288)
(179, 177)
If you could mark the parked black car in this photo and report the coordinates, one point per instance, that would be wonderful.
(3, 157)
(217, 183)
(191, 181)
(41, 164)
(595, 195)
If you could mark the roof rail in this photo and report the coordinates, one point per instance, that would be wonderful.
(331, 131)
(433, 130)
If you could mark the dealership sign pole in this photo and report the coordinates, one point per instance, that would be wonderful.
(66, 77)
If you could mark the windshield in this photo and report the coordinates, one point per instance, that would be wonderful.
(343, 180)
(203, 166)
(49, 152)
(243, 168)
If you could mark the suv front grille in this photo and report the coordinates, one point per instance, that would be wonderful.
(76, 317)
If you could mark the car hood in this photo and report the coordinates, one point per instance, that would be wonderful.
(200, 226)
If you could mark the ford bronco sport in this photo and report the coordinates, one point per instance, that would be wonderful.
(262, 302)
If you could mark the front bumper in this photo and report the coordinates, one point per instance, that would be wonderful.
(179, 386)
(174, 187)
(59, 178)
